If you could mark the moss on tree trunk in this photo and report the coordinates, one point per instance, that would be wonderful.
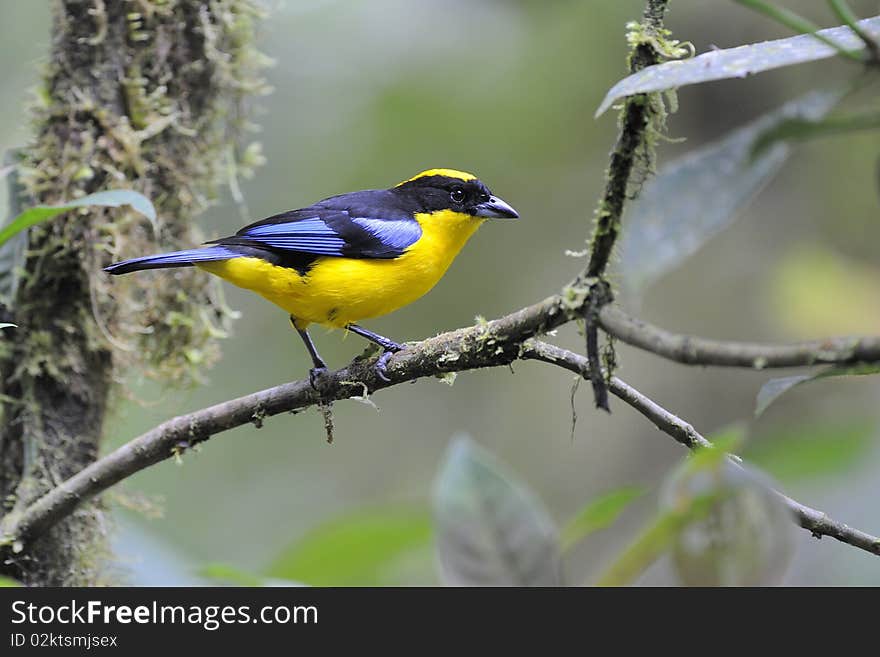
(143, 94)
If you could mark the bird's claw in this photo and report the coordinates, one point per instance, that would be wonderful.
(382, 365)
(314, 375)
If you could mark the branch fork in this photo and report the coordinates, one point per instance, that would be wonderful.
(499, 342)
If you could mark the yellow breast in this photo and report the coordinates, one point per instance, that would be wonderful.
(341, 291)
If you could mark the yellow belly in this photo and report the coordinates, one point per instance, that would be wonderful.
(340, 291)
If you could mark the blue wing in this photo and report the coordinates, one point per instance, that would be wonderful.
(369, 224)
(325, 230)
(307, 235)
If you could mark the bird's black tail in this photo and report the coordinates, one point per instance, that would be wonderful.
(186, 258)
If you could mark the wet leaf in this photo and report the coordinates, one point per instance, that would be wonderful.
(739, 62)
(800, 25)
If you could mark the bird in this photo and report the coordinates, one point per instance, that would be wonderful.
(348, 257)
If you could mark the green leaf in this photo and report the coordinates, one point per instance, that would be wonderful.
(112, 198)
(801, 129)
(654, 541)
(775, 388)
(812, 451)
(740, 62)
(228, 574)
(357, 549)
(491, 529)
(692, 199)
(8, 582)
(598, 514)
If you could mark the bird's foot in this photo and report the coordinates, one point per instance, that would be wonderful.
(381, 365)
(315, 376)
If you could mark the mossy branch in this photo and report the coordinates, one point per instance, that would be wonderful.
(487, 344)
(145, 96)
(635, 123)
(641, 117)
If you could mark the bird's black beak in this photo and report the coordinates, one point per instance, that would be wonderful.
(495, 208)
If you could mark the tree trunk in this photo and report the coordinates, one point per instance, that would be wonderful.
(137, 94)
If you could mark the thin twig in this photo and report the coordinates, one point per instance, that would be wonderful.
(813, 520)
(591, 329)
(691, 350)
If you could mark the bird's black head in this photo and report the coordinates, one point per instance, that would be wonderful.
(447, 189)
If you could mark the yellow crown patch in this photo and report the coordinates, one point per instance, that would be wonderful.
(449, 173)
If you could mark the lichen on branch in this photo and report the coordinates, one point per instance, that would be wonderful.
(146, 95)
(642, 122)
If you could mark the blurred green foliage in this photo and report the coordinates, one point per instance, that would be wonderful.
(598, 514)
(795, 453)
(367, 94)
(359, 549)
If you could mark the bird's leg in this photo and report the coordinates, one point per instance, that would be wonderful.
(385, 343)
(320, 367)
(388, 346)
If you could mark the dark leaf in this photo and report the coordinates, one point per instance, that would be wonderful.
(695, 197)
(775, 388)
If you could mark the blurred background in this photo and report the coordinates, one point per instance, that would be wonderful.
(368, 94)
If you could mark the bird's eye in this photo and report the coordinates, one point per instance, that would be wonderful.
(457, 195)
